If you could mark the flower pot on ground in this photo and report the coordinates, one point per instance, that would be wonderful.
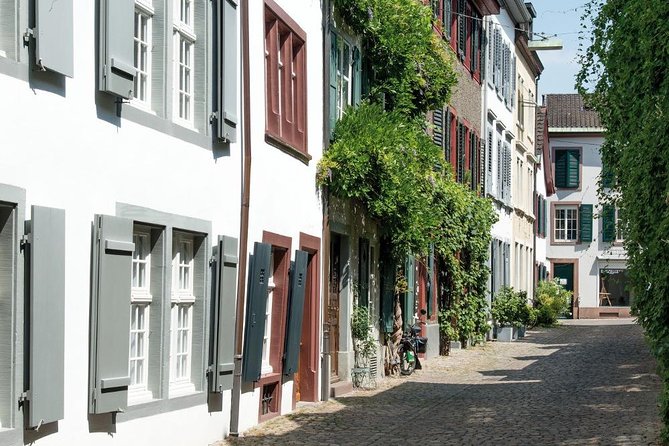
(507, 333)
(521, 331)
(506, 311)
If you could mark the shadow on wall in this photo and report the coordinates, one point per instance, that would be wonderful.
(580, 393)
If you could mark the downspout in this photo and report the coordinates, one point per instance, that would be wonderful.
(534, 195)
(325, 236)
(243, 222)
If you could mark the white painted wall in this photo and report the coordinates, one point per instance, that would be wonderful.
(284, 196)
(597, 254)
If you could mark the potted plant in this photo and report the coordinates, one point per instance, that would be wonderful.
(505, 313)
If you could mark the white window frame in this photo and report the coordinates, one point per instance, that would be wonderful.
(140, 301)
(266, 366)
(182, 301)
(565, 219)
(184, 34)
(344, 75)
(619, 233)
(143, 8)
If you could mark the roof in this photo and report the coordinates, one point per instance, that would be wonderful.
(567, 111)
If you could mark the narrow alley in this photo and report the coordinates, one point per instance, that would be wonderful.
(585, 383)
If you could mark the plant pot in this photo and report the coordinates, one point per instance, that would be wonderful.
(455, 345)
(506, 334)
(521, 331)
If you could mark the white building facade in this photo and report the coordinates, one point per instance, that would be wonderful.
(584, 241)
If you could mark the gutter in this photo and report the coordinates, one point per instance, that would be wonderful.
(243, 222)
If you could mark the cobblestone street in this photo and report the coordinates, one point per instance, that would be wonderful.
(586, 383)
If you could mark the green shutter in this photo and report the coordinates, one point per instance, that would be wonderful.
(387, 293)
(560, 168)
(298, 285)
(333, 82)
(608, 223)
(585, 222)
(573, 168)
(357, 77)
(256, 305)
(607, 179)
(409, 301)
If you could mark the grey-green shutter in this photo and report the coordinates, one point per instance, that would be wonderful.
(363, 272)
(54, 37)
(387, 293)
(608, 177)
(256, 305)
(224, 273)
(507, 264)
(585, 222)
(438, 129)
(298, 286)
(573, 170)
(110, 314)
(608, 223)
(46, 315)
(409, 296)
(561, 164)
(333, 82)
(227, 70)
(117, 71)
(357, 76)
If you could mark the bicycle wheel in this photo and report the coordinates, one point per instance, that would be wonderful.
(407, 360)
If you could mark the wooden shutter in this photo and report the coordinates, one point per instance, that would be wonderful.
(438, 127)
(333, 82)
(448, 137)
(273, 114)
(117, 71)
(298, 286)
(561, 167)
(430, 277)
(462, 29)
(357, 77)
(447, 18)
(573, 168)
(387, 293)
(607, 177)
(54, 35)
(224, 274)
(46, 315)
(608, 223)
(585, 222)
(226, 56)
(256, 305)
(410, 296)
(110, 314)
(363, 272)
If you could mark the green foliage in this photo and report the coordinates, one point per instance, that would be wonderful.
(412, 67)
(625, 74)
(507, 307)
(551, 301)
(361, 332)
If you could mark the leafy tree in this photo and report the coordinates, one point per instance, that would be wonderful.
(625, 77)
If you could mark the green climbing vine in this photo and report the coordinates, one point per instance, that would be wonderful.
(382, 156)
(625, 77)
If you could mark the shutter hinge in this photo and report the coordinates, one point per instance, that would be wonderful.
(24, 397)
(23, 242)
(213, 116)
(30, 33)
(212, 261)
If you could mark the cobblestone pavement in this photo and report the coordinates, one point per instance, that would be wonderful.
(574, 384)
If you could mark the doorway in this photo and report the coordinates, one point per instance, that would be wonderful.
(564, 273)
(333, 296)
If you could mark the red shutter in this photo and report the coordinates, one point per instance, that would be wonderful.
(272, 114)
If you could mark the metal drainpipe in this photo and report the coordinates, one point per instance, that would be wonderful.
(534, 239)
(325, 237)
(244, 221)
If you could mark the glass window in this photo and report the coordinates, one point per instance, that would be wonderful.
(614, 288)
(566, 223)
(142, 55)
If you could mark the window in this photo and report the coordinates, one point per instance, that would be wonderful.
(184, 43)
(567, 168)
(285, 80)
(619, 229)
(142, 48)
(140, 301)
(614, 288)
(182, 314)
(344, 68)
(566, 223)
(267, 336)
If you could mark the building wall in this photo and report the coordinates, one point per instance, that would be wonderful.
(64, 143)
(465, 97)
(284, 196)
(593, 256)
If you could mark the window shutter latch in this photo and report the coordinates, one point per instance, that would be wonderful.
(24, 397)
(23, 242)
(213, 117)
(30, 33)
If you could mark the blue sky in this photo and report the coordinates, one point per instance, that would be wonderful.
(560, 17)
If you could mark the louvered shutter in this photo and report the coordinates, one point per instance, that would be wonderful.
(585, 222)
(447, 18)
(462, 29)
(448, 137)
(409, 300)
(387, 293)
(608, 223)
(508, 173)
(607, 177)
(227, 70)
(110, 314)
(500, 170)
(357, 76)
(430, 277)
(46, 315)
(256, 306)
(224, 274)
(333, 82)
(489, 160)
(561, 166)
(573, 170)
(298, 286)
(513, 82)
(438, 128)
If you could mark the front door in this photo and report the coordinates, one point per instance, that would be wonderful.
(564, 273)
(333, 304)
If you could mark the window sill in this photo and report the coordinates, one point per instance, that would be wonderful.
(565, 242)
(140, 296)
(282, 145)
(178, 389)
(268, 378)
(186, 298)
(139, 396)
